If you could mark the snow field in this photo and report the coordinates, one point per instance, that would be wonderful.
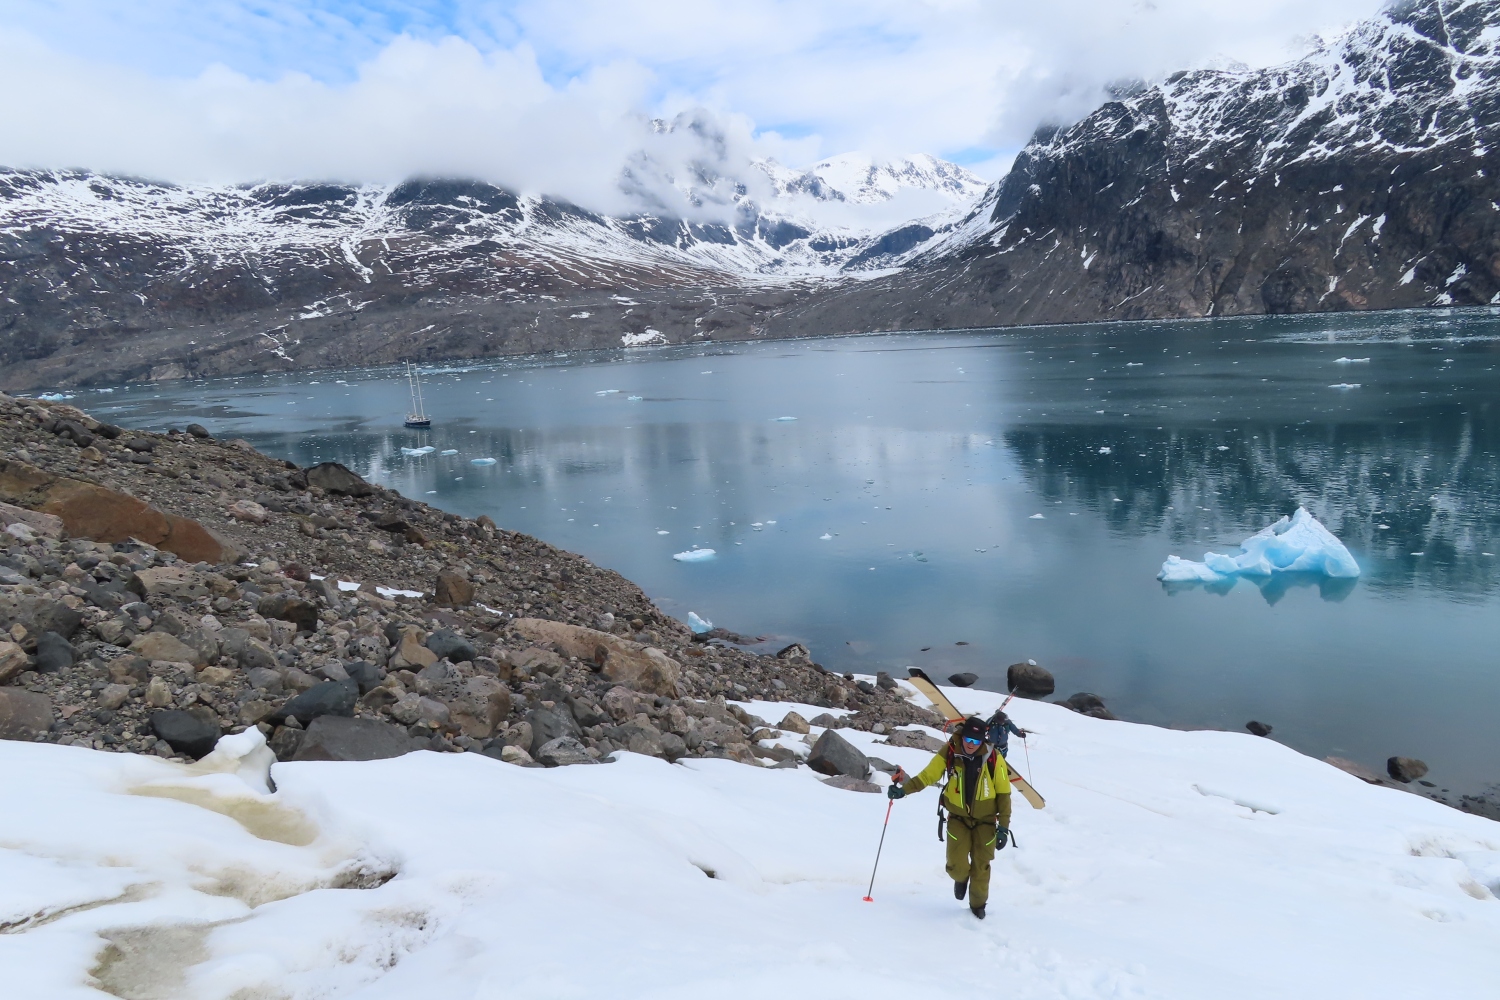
(1166, 864)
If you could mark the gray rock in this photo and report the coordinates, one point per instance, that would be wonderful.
(849, 784)
(1087, 704)
(832, 754)
(793, 723)
(198, 431)
(646, 740)
(796, 651)
(54, 653)
(563, 751)
(1028, 680)
(1258, 728)
(914, 740)
(24, 715)
(290, 608)
(825, 721)
(326, 698)
(113, 696)
(237, 646)
(193, 732)
(548, 724)
(883, 766)
(963, 680)
(451, 646)
(264, 679)
(884, 681)
(333, 737)
(673, 747)
(285, 741)
(366, 675)
(1405, 769)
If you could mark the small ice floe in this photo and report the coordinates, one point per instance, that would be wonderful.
(1345, 385)
(1296, 544)
(55, 397)
(448, 451)
(825, 536)
(699, 625)
(695, 555)
(1134, 364)
(1351, 361)
(1106, 450)
(606, 392)
(770, 522)
(1222, 447)
(426, 449)
(781, 420)
(756, 525)
(635, 399)
(1037, 517)
(662, 531)
(481, 461)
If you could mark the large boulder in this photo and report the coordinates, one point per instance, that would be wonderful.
(54, 653)
(963, 680)
(1088, 704)
(290, 608)
(1405, 769)
(451, 646)
(331, 477)
(1029, 680)
(563, 751)
(24, 715)
(192, 732)
(161, 646)
(453, 589)
(13, 660)
(333, 737)
(832, 754)
(644, 668)
(548, 724)
(89, 510)
(46, 525)
(327, 698)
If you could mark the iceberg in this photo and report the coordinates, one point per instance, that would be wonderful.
(1296, 544)
(448, 451)
(695, 555)
(426, 449)
(481, 461)
(699, 625)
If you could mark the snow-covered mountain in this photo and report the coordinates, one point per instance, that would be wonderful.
(1359, 177)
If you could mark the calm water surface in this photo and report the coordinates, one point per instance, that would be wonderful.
(896, 517)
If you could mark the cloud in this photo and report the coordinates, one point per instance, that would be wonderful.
(557, 97)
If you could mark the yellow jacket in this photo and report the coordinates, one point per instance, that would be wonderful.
(991, 797)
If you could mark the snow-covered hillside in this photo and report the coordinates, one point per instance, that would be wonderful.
(1166, 865)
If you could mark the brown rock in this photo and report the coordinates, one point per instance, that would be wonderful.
(161, 646)
(453, 590)
(88, 510)
(411, 653)
(13, 660)
(247, 510)
(644, 668)
(24, 715)
(331, 477)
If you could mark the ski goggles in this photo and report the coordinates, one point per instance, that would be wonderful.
(972, 741)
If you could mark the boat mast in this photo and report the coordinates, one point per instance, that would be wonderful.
(421, 413)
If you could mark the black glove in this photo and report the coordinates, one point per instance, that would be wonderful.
(895, 792)
(1001, 838)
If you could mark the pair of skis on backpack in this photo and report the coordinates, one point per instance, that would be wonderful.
(924, 684)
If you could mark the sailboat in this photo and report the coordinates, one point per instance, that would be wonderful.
(417, 417)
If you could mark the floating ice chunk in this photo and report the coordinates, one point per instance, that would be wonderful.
(1222, 447)
(1296, 544)
(662, 531)
(426, 449)
(695, 555)
(54, 397)
(825, 536)
(635, 399)
(1037, 517)
(1345, 385)
(606, 392)
(699, 625)
(1106, 450)
(784, 419)
(448, 451)
(481, 461)
(1351, 361)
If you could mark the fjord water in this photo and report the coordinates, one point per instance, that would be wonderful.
(964, 501)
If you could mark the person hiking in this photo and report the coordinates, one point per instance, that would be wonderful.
(1000, 731)
(977, 798)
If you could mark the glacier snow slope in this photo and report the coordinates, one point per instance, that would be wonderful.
(1166, 864)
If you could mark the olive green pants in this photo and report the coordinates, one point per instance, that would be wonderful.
(971, 848)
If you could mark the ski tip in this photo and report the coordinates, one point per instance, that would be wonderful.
(868, 899)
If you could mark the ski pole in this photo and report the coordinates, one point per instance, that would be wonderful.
(889, 802)
(1029, 769)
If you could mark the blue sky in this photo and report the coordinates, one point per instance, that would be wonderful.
(203, 85)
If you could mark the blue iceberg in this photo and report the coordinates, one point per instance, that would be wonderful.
(699, 625)
(695, 555)
(1296, 544)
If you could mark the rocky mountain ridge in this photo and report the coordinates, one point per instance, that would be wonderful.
(1359, 177)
